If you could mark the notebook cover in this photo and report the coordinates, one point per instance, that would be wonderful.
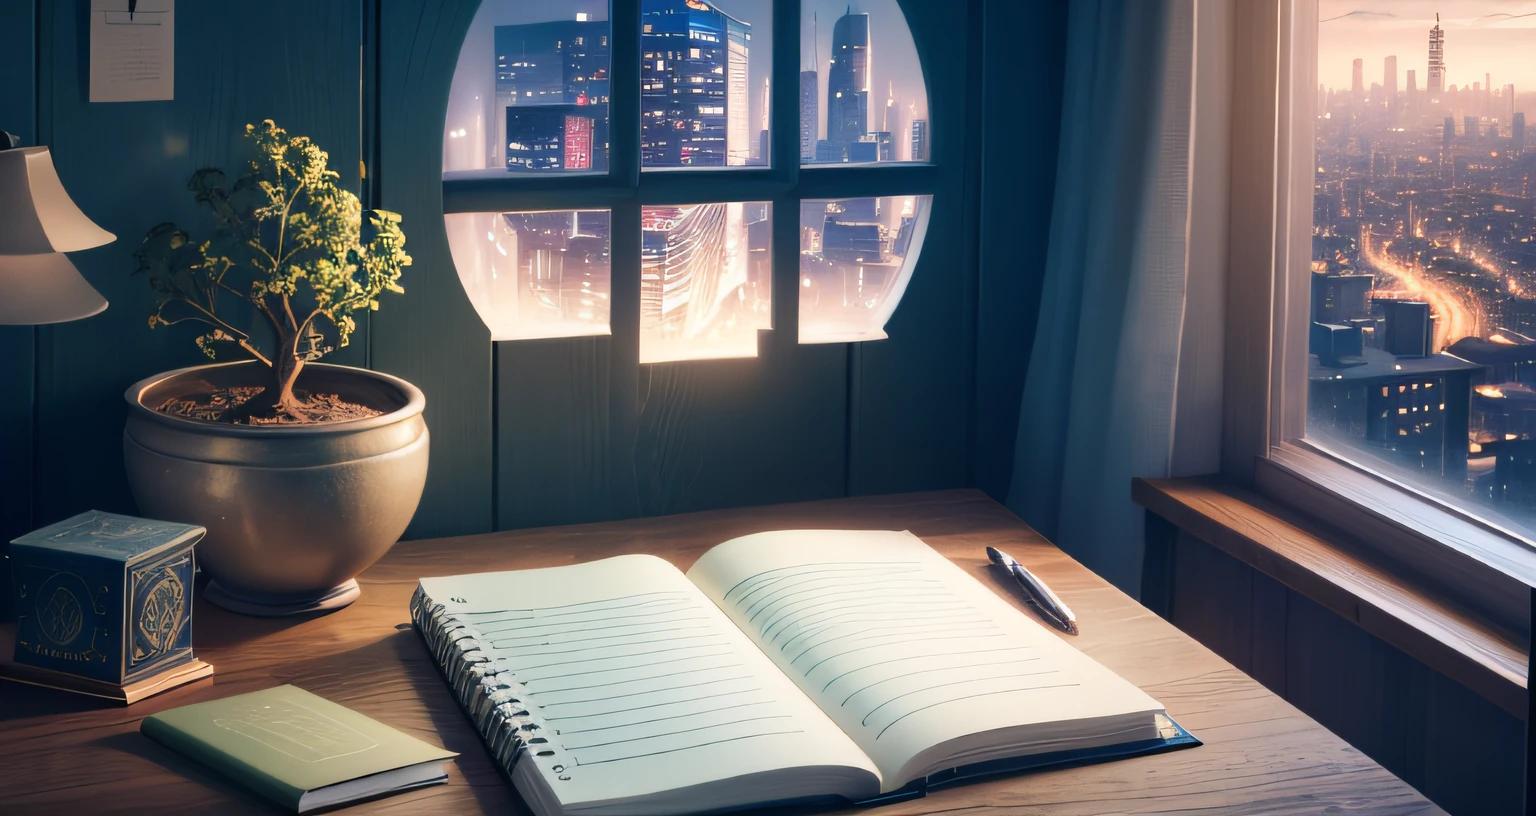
(1176, 737)
(283, 742)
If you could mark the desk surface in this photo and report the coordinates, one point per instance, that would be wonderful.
(66, 754)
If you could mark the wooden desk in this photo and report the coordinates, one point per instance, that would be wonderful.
(65, 754)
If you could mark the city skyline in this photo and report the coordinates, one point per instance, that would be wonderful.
(1423, 334)
(1483, 37)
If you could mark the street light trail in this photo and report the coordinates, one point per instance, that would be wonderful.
(1460, 312)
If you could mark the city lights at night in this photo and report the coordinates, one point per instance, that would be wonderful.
(532, 97)
(1423, 334)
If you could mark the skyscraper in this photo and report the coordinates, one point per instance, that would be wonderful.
(848, 80)
(1509, 104)
(1436, 84)
(1469, 127)
(550, 137)
(810, 110)
(1447, 162)
(561, 63)
(694, 88)
(1389, 82)
(1413, 90)
(1517, 133)
(1357, 82)
(919, 140)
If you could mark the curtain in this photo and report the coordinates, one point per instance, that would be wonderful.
(1126, 293)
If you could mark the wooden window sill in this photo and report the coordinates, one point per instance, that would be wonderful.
(1325, 567)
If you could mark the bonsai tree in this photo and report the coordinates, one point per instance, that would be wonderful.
(291, 243)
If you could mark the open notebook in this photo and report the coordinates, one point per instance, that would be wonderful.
(784, 667)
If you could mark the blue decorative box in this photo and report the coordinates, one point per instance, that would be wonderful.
(104, 596)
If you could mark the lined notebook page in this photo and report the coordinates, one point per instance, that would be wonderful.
(639, 681)
(906, 652)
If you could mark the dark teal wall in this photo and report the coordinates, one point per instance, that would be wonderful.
(541, 432)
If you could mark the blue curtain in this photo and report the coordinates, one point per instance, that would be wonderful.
(1098, 403)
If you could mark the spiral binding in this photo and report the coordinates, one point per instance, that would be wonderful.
(490, 694)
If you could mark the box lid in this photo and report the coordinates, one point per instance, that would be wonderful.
(109, 535)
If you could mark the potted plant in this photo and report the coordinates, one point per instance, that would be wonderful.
(304, 473)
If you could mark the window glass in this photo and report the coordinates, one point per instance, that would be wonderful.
(531, 98)
(704, 77)
(530, 94)
(705, 280)
(856, 256)
(862, 94)
(1423, 326)
(535, 274)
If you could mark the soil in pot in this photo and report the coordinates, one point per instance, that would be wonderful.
(228, 406)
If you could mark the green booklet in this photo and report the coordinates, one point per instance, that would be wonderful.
(299, 750)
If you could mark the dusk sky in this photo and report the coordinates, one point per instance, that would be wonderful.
(1495, 37)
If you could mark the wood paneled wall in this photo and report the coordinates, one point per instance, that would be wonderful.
(537, 432)
(1462, 751)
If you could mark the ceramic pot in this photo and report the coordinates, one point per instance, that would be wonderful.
(293, 512)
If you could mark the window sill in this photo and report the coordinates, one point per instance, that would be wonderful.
(1338, 572)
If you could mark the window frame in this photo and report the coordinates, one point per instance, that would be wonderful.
(1452, 552)
(626, 188)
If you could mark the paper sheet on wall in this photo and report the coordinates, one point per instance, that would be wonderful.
(133, 50)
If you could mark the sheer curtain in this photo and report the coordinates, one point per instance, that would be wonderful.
(1124, 373)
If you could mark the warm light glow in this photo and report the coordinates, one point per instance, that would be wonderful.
(856, 258)
(705, 280)
(538, 275)
(1490, 391)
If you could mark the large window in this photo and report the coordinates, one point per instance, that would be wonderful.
(591, 146)
(1422, 337)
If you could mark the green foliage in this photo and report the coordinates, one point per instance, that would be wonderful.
(288, 239)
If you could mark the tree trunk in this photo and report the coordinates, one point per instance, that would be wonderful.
(286, 366)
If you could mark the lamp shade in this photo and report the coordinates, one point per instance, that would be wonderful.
(44, 288)
(36, 215)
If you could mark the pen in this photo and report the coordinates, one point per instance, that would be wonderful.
(1040, 595)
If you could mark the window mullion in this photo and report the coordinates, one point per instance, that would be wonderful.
(784, 157)
(784, 110)
(624, 93)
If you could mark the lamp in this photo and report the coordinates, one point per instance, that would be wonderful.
(38, 224)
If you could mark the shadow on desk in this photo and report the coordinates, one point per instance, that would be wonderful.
(392, 680)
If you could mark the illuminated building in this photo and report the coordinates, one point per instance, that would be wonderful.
(1503, 362)
(1413, 410)
(555, 63)
(919, 140)
(705, 280)
(563, 262)
(1447, 161)
(852, 233)
(1436, 85)
(552, 137)
(810, 111)
(693, 85)
(848, 80)
(1357, 81)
